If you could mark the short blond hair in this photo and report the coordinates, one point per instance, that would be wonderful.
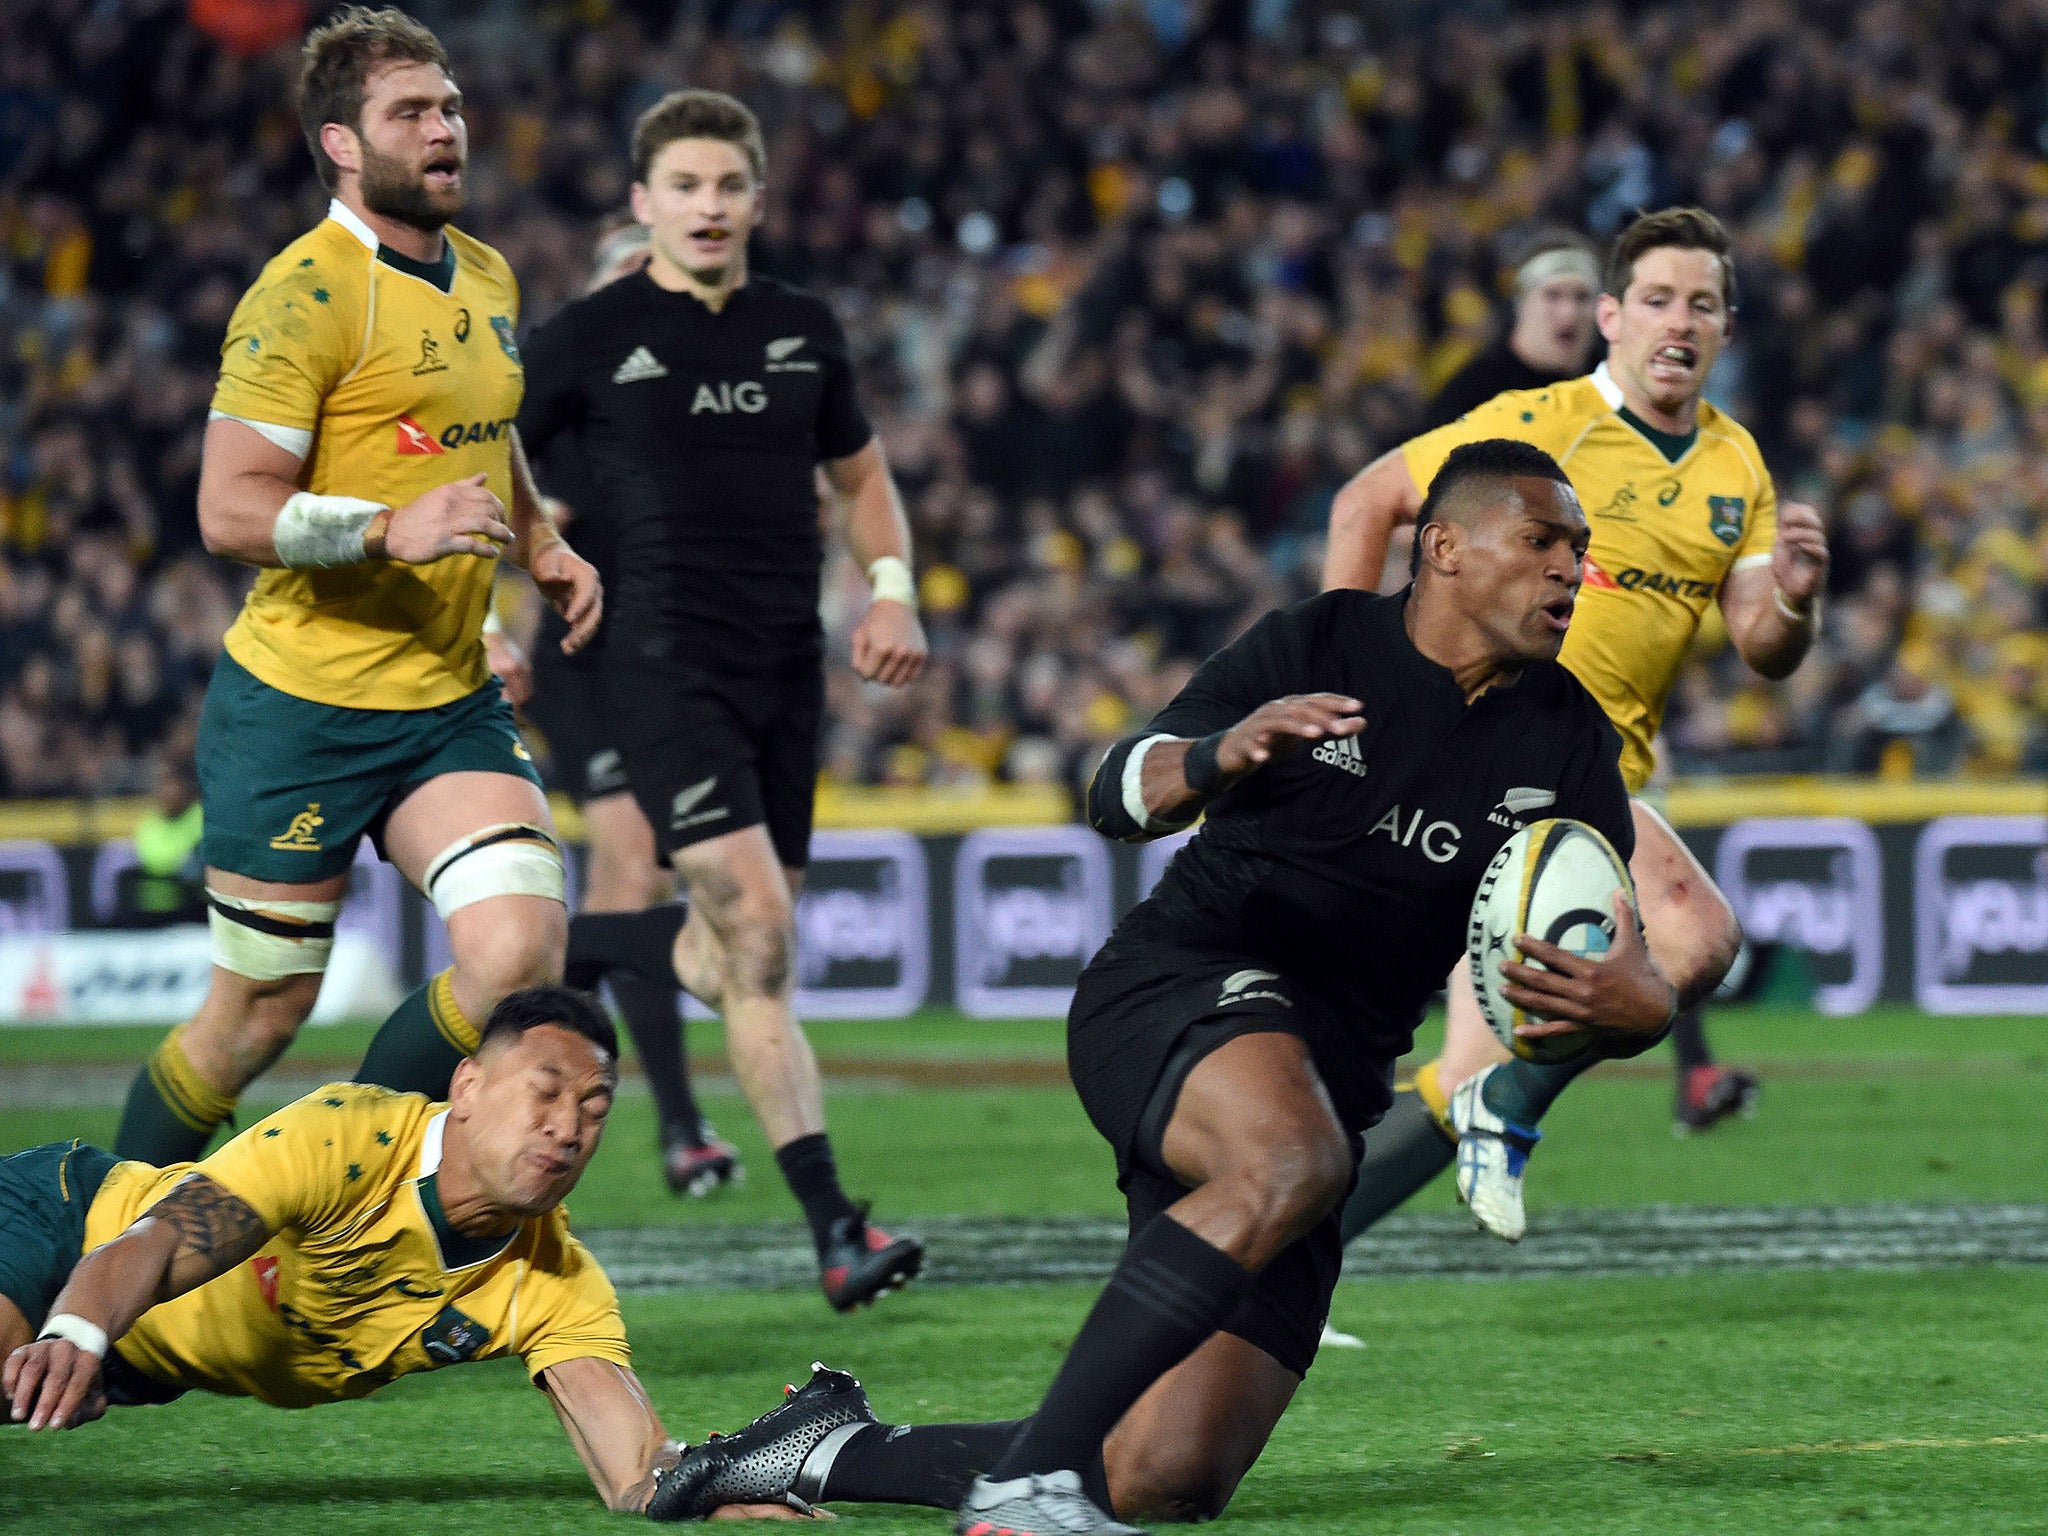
(1686, 229)
(698, 115)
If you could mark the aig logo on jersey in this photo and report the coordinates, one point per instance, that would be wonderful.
(723, 399)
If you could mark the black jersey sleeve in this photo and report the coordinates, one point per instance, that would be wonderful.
(555, 401)
(843, 428)
(1594, 791)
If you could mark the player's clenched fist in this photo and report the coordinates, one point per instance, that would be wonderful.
(888, 644)
(53, 1384)
(461, 518)
(1799, 560)
(1276, 729)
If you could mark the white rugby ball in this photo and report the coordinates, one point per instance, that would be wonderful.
(1554, 880)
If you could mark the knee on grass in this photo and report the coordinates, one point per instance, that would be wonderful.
(1170, 1483)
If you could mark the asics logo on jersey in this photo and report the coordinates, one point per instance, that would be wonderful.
(416, 439)
(778, 350)
(1518, 803)
(1342, 753)
(1438, 840)
(640, 365)
(1247, 986)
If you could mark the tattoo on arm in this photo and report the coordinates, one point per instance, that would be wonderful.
(216, 1231)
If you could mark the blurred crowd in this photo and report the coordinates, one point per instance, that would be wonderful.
(1134, 286)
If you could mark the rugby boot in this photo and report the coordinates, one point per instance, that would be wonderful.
(764, 1463)
(1037, 1504)
(1492, 1153)
(1709, 1094)
(861, 1262)
(698, 1170)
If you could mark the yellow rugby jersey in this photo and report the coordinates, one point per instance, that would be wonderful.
(389, 378)
(1670, 518)
(364, 1280)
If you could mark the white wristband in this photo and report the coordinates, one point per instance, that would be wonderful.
(1778, 597)
(69, 1326)
(320, 531)
(890, 576)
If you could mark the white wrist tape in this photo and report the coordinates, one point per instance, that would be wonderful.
(72, 1328)
(890, 576)
(1134, 789)
(1778, 597)
(319, 531)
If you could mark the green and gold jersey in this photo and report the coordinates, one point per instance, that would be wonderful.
(388, 377)
(364, 1280)
(1670, 518)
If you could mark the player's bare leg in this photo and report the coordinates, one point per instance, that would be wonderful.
(1254, 1136)
(736, 951)
(191, 1081)
(624, 877)
(454, 837)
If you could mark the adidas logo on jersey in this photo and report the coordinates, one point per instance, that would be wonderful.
(1342, 753)
(1517, 803)
(639, 365)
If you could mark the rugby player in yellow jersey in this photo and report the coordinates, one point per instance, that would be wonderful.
(361, 453)
(355, 1236)
(1683, 515)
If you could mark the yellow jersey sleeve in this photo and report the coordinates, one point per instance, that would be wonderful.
(567, 1307)
(1545, 417)
(294, 337)
(306, 1167)
(1760, 531)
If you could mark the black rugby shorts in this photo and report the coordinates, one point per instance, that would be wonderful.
(709, 754)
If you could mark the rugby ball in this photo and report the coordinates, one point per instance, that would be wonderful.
(1556, 881)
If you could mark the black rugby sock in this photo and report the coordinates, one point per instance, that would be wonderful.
(1167, 1295)
(1520, 1092)
(656, 1025)
(1689, 1041)
(932, 1464)
(642, 943)
(813, 1177)
(1402, 1153)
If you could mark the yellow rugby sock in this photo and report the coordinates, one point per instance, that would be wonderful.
(448, 1016)
(172, 1112)
(1429, 1084)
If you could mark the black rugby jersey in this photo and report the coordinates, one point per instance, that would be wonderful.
(1494, 371)
(702, 432)
(1350, 867)
(593, 533)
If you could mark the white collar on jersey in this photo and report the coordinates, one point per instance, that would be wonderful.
(430, 1146)
(1604, 382)
(352, 221)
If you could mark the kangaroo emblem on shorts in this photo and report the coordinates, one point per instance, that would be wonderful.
(298, 837)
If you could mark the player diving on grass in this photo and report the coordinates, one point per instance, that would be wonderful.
(1359, 760)
(1683, 516)
(706, 402)
(353, 1237)
(361, 453)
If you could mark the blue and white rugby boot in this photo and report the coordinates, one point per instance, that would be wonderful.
(1492, 1153)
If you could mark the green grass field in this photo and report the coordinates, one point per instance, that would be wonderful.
(1758, 1401)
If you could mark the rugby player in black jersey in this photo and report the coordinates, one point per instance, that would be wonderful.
(625, 928)
(1359, 758)
(706, 401)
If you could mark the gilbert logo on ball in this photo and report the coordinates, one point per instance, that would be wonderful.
(1555, 880)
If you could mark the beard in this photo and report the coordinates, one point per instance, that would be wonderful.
(396, 190)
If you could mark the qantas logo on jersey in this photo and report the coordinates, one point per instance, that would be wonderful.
(1342, 753)
(1636, 579)
(1438, 840)
(416, 439)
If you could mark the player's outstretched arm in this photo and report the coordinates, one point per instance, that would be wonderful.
(196, 1232)
(1363, 517)
(1773, 611)
(888, 644)
(1150, 785)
